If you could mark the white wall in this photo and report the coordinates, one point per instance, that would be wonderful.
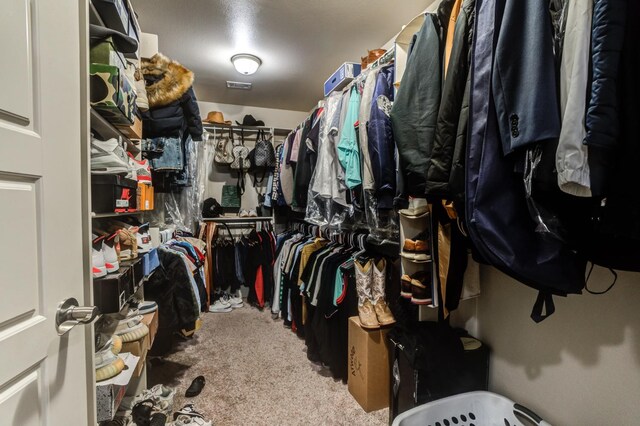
(281, 118)
(581, 366)
(218, 175)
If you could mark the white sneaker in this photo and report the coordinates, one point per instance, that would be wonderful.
(132, 329)
(98, 267)
(235, 301)
(243, 213)
(142, 169)
(109, 244)
(147, 307)
(108, 157)
(252, 213)
(219, 307)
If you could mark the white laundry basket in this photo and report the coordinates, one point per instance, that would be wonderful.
(470, 409)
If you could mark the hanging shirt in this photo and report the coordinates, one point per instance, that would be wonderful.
(348, 151)
(286, 173)
(326, 183)
(571, 156)
(381, 142)
(368, 182)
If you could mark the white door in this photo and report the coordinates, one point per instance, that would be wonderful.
(43, 377)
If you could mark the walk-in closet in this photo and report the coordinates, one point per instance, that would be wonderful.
(345, 212)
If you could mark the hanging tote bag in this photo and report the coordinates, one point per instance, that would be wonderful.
(264, 156)
(224, 150)
(240, 156)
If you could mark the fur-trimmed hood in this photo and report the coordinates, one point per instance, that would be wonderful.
(169, 80)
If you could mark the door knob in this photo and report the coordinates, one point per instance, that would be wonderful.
(69, 314)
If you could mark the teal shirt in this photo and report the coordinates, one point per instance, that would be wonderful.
(348, 149)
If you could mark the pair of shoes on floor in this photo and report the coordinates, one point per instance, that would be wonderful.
(224, 302)
(106, 360)
(370, 285)
(417, 287)
(151, 407)
(417, 248)
(189, 416)
(249, 213)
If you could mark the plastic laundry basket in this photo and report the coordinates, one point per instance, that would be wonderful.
(470, 409)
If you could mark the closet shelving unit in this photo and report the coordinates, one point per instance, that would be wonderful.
(107, 130)
(95, 124)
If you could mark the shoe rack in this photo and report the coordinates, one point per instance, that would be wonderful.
(410, 226)
(94, 124)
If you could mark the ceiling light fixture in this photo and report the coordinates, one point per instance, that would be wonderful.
(245, 63)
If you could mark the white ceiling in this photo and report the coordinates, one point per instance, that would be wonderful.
(300, 42)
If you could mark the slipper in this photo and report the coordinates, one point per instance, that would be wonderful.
(196, 387)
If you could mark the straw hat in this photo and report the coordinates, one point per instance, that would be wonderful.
(216, 117)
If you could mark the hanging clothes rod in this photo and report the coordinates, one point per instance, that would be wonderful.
(238, 219)
(241, 129)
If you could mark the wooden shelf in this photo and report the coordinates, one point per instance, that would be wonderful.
(114, 214)
(106, 130)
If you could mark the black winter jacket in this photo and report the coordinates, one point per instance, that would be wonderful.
(603, 107)
(173, 110)
(451, 127)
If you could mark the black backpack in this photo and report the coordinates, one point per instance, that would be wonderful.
(262, 157)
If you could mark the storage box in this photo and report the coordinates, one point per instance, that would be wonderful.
(105, 53)
(117, 15)
(111, 94)
(134, 131)
(109, 393)
(145, 197)
(151, 319)
(368, 371)
(112, 291)
(113, 193)
(343, 76)
(150, 262)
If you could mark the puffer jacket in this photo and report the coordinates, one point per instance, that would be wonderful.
(603, 106)
(453, 114)
(173, 110)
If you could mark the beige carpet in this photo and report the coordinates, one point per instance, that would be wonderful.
(257, 373)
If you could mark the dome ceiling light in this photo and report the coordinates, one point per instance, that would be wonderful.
(245, 63)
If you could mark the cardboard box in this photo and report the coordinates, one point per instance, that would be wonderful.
(343, 76)
(113, 193)
(145, 197)
(151, 320)
(109, 393)
(112, 291)
(368, 371)
(106, 53)
(141, 347)
(111, 94)
(134, 131)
